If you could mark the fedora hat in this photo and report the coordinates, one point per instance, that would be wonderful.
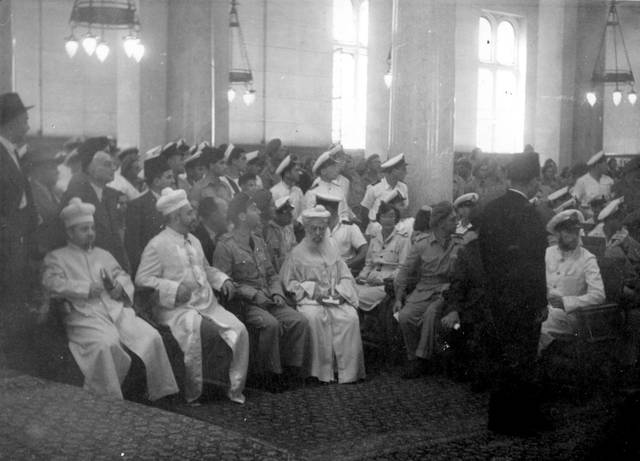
(10, 107)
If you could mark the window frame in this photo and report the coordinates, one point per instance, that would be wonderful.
(518, 69)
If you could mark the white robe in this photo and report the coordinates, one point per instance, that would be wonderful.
(335, 330)
(98, 327)
(170, 259)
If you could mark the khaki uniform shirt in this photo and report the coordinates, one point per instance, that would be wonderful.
(248, 265)
(434, 264)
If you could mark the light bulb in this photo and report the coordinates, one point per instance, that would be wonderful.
(387, 79)
(71, 46)
(130, 43)
(102, 51)
(89, 43)
(632, 97)
(231, 94)
(617, 97)
(591, 98)
(138, 51)
(249, 97)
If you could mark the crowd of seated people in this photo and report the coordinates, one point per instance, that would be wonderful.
(277, 256)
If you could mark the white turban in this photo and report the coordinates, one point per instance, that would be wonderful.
(171, 200)
(77, 212)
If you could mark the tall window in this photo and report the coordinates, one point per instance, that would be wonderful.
(349, 111)
(501, 78)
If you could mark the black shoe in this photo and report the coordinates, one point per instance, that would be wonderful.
(415, 369)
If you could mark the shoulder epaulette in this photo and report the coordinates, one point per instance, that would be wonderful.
(374, 183)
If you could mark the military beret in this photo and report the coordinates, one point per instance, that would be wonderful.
(440, 212)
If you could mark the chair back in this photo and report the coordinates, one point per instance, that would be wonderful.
(612, 271)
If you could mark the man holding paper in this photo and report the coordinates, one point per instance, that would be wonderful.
(325, 291)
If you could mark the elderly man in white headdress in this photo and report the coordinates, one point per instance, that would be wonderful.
(174, 264)
(100, 321)
(573, 278)
(325, 292)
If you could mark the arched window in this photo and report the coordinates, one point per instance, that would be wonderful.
(349, 104)
(501, 74)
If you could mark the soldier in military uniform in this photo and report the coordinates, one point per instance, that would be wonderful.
(432, 257)
(283, 332)
(279, 233)
(211, 185)
(464, 205)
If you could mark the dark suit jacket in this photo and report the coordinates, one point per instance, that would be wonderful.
(16, 225)
(143, 222)
(208, 245)
(107, 217)
(513, 242)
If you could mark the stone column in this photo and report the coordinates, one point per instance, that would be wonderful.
(422, 101)
(378, 95)
(154, 15)
(221, 64)
(189, 92)
(557, 42)
(6, 48)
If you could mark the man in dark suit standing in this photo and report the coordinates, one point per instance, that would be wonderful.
(513, 242)
(144, 221)
(90, 186)
(18, 218)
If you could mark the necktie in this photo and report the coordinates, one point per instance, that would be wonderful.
(233, 185)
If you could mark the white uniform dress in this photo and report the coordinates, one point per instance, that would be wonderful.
(348, 238)
(310, 272)
(98, 327)
(294, 193)
(587, 188)
(170, 259)
(574, 276)
(384, 257)
(332, 189)
(375, 193)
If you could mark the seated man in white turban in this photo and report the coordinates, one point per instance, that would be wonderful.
(387, 250)
(100, 322)
(325, 292)
(573, 278)
(174, 264)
